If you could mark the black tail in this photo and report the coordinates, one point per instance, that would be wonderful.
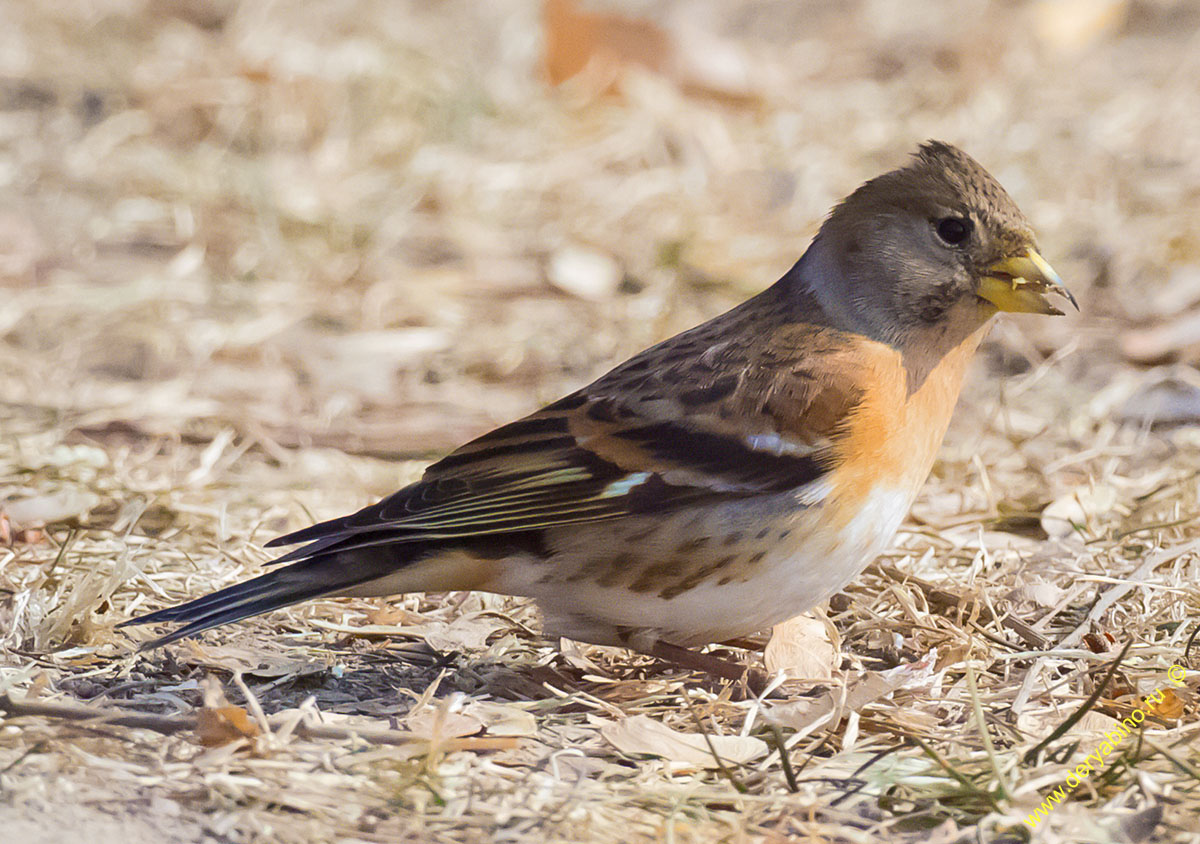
(322, 575)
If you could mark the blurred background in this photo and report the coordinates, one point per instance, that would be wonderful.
(388, 226)
(261, 261)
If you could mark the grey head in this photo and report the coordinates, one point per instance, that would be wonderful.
(935, 240)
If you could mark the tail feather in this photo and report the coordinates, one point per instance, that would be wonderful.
(334, 536)
(321, 576)
(335, 544)
(315, 535)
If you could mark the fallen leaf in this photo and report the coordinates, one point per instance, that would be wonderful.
(641, 734)
(1077, 510)
(1169, 709)
(800, 647)
(809, 713)
(599, 50)
(600, 44)
(219, 722)
(501, 719)
(222, 725)
(39, 510)
(30, 536)
(26, 536)
(436, 725)
(573, 653)
(465, 633)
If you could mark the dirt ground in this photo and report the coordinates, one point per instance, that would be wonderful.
(261, 262)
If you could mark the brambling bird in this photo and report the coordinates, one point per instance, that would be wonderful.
(728, 478)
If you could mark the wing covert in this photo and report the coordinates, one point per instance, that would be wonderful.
(672, 427)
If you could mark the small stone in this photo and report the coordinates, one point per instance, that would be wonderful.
(840, 602)
(584, 272)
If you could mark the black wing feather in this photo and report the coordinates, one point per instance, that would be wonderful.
(535, 474)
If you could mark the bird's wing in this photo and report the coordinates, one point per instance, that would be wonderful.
(694, 419)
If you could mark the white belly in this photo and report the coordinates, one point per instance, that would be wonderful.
(795, 565)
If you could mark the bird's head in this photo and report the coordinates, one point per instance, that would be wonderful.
(934, 245)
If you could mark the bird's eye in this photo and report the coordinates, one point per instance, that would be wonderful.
(953, 230)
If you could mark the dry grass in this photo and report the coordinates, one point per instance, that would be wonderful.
(259, 262)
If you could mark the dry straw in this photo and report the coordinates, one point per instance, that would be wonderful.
(260, 262)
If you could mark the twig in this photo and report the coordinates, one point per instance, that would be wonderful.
(171, 724)
(165, 724)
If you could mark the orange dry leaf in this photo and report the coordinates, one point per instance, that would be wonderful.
(600, 44)
(1171, 707)
(220, 722)
(221, 725)
(598, 49)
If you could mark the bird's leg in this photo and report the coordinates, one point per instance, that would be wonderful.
(714, 666)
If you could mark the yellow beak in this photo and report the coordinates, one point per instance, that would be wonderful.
(1021, 284)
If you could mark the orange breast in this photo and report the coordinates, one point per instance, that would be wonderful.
(892, 437)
